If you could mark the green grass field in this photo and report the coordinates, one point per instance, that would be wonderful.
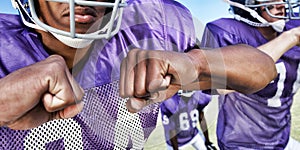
(157, 141)
(295, 132)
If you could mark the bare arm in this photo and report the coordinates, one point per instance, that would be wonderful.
(203, 126)
(278, 46)
(174, 139)
(240, 67)
(158, 75)
(38, 93)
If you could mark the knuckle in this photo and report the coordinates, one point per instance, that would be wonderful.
(57, 62)
(155, 54)
(58, 65)
(56, 58)
(132, 53)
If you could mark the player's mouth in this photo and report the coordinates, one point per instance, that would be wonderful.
(84, 15)
(279, 14)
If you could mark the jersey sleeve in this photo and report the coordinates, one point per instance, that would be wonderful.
(214, 36)
(228, 31)
(168, 108)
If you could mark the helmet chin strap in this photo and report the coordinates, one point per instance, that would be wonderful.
(278, 25)
(76, 42)
(73, 42)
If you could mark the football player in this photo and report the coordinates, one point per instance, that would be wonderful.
(58, 54)
(180, 117)
(261, 120)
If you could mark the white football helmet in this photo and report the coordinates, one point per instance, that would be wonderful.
(249, 11)
(30, 18)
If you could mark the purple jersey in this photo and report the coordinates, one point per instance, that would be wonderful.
(104, 122)
(260, 120)
(183, 116)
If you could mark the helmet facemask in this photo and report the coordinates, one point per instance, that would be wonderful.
(110, 25)
(249, 11)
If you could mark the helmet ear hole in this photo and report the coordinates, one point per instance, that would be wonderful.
(244, 13)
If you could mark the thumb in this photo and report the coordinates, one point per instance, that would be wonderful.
(53, 103)
(61, 108)
(69, 111)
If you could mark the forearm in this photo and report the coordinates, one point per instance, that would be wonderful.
(278, 46)
(240, 67)
(16, 88)
(174, 139)
(158, 75)
(203, 125)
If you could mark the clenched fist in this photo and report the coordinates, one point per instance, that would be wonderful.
(38, 93)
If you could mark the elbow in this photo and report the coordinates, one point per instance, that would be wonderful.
(267, 76)
(267, 73)
(262, 81)
(252, 72)
(263, 77)
(270, 75)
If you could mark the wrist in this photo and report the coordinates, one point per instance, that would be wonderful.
(199, 62)
(292, 36)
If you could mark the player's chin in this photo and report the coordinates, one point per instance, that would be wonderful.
(276, 19)
(85, 29)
